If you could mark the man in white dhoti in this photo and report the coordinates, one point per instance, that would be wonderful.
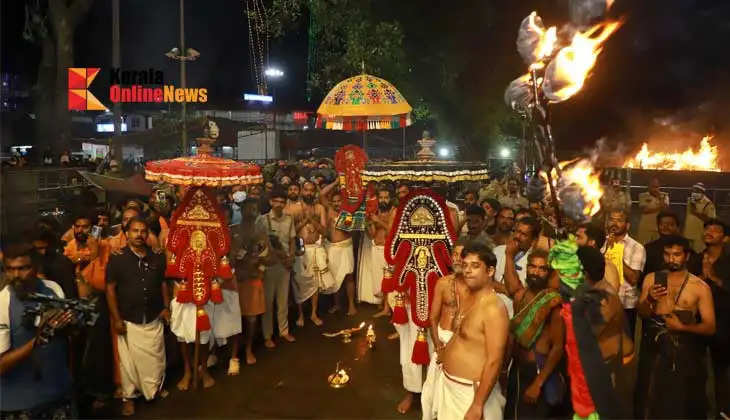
(138, 296)
(372, 261)
(473, 358)
(310, 265)
(443, 310)
(412, 373)
(340, 253)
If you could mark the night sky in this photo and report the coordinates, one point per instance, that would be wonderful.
(665, 73)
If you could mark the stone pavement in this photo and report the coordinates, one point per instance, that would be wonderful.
(290, 381)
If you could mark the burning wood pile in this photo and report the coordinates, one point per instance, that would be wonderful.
(703, 159)
(559, 62)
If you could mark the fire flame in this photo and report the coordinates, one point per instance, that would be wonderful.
(573, 63)
(548, 39)
(705, 159)
(581, 177)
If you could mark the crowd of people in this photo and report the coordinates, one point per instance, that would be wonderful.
(528, 324)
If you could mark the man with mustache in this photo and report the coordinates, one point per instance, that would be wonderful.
(372, 253)
(293, 205)
(715, 271)
(679, 315)
(35, 378)
(139, 303)
(535, 385)
(473, 358)
(629, 258)
(443, 310)
(119, 241)
(310, 266)
(512, 258)
(505, 224)
(340, 253)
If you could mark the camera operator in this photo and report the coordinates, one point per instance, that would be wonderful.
(35, 379)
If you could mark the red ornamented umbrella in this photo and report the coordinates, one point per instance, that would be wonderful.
(199, 239)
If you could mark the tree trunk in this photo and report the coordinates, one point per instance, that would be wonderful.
(44, 92)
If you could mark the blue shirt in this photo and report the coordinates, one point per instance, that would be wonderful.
(44, 376)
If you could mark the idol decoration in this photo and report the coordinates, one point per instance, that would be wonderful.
(357, 200)
(418, 251)
(198, 244)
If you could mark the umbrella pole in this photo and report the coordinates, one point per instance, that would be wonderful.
(196, 359)
(404, 142)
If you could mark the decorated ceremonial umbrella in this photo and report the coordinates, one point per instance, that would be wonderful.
(418, 247)
(199, 239)
(363, 102)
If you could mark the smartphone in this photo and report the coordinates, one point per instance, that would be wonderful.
(300, 245)
(660, 278)
(96, 231)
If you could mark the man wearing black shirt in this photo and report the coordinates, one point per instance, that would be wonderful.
(668, 225)
(138, 299)
(716, 272)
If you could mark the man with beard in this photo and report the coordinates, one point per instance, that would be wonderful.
(443, 310)
(470, 199)
(34, 377)
(716, 273)
(668, 225)
(535, 385)
(679, 314)
(402, 192)
(293, 205)
(473, 358)
(629, 258)
(512, 258)
(340, 253)
(138, 302)
(310, 266)
(505, 224)
(96, 367)
(372, 253)
(589, 235)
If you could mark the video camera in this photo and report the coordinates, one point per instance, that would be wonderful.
(37, 305)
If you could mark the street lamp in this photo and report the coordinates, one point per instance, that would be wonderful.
(190, 54)
(444, 152)
(273, 73)
(504, 153)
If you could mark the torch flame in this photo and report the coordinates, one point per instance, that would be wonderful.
(578, 175)
(573, 63)
(705, 159)
(548, 39)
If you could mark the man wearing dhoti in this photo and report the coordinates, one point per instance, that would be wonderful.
(137, 294)
(372, 253)
(340, 253)
(472, 359)
(310, 266)
(443, 309)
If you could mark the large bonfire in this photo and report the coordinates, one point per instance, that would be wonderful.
(703, 159)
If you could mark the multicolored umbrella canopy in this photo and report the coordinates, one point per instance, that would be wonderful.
(363, 102)
(203, 170)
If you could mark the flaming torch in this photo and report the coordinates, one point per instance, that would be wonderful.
(556, 72)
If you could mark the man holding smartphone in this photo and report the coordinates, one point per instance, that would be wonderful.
(679, 316)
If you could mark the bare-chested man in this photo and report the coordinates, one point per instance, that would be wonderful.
(310, 266)
(679, 315)
(293, 205)
(443, 310)
(597, 347)
(539, 334)
(340, 252)
(473, 358)
(372, 261)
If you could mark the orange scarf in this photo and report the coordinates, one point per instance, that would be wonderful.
(94, 272)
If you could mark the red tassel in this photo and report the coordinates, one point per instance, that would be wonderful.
(420, 349)
(202, 322)
(387, 284)
(216, 294)
(184, 295)
(224, 269)
(400, 316)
